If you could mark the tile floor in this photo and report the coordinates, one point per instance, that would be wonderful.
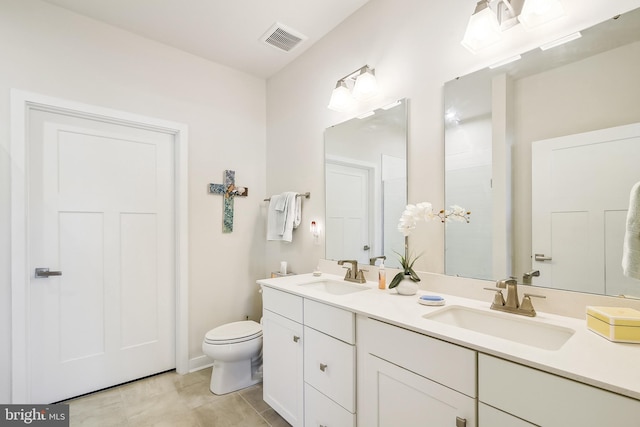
(173, 400)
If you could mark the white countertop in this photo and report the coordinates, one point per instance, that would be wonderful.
(585, 357)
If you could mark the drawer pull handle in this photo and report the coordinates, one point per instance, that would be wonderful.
(323, 367)
(296, 338)
(461, 422)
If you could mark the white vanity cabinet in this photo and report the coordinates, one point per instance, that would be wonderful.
(408, 379)
(282, 353)
(548, 400)
(309, 360)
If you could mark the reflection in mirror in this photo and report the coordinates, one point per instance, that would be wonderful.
(549, 144)
(366, 185)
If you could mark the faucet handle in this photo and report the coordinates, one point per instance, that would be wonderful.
(527, 306)
(349, 273)
(534, 295)
(498, 298)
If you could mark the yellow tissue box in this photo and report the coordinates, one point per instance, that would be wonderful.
(616, 324)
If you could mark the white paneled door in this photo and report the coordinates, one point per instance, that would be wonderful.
(101, 212)
(348, 223)
(580, 198)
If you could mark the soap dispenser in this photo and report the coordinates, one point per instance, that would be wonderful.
(382, 276)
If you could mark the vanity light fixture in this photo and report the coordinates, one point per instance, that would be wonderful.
(492, 17)
(341, 98)
(359, 85)
(366, 85)
(483, 28)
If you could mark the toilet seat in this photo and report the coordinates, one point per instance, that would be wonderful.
(234, 332)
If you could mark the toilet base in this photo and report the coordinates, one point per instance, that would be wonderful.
(227, 377)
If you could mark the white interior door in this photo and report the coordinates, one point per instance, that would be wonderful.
(101, 211)
(580, 198)
(348, 223)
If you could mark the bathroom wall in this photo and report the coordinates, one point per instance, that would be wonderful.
(48, 50)
(414, 45)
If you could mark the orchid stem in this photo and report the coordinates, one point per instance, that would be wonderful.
(406, 247)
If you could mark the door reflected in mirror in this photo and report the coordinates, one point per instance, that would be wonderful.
(564, 211)
(366, 185)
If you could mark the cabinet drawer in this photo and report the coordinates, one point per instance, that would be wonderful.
(444, 363)
(320, 411)
(331, 320)
(285, 304)
(329, 366)
(549, 400)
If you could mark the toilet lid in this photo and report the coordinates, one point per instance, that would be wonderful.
(234, 331)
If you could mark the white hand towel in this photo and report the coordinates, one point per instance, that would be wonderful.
(297, 211)
(275, 219)
(631, 249)
(281, 203)
(287, 235)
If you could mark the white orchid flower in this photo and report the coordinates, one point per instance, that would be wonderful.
(423, 211)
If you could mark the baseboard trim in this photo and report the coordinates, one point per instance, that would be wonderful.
(200, 362)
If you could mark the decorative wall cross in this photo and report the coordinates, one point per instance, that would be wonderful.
(230, 191)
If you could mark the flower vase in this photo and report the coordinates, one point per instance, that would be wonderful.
(407, 286)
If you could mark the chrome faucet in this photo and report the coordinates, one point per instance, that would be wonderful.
(353, 274)
(512, 303)
(372, 261)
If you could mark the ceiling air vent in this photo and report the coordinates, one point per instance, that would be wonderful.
(282, 37)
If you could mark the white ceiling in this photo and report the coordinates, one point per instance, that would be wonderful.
(224, 31)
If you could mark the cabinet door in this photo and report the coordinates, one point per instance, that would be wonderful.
(492, 417)
(395, 397)
(282, 352)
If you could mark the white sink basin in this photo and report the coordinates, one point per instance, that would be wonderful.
(335, 288)
(504, 325)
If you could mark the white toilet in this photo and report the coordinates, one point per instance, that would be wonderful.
(236, 350)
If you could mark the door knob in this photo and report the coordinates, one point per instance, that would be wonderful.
(43, 273)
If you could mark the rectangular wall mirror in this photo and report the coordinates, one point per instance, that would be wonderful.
(366, 185)
(550, 144)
